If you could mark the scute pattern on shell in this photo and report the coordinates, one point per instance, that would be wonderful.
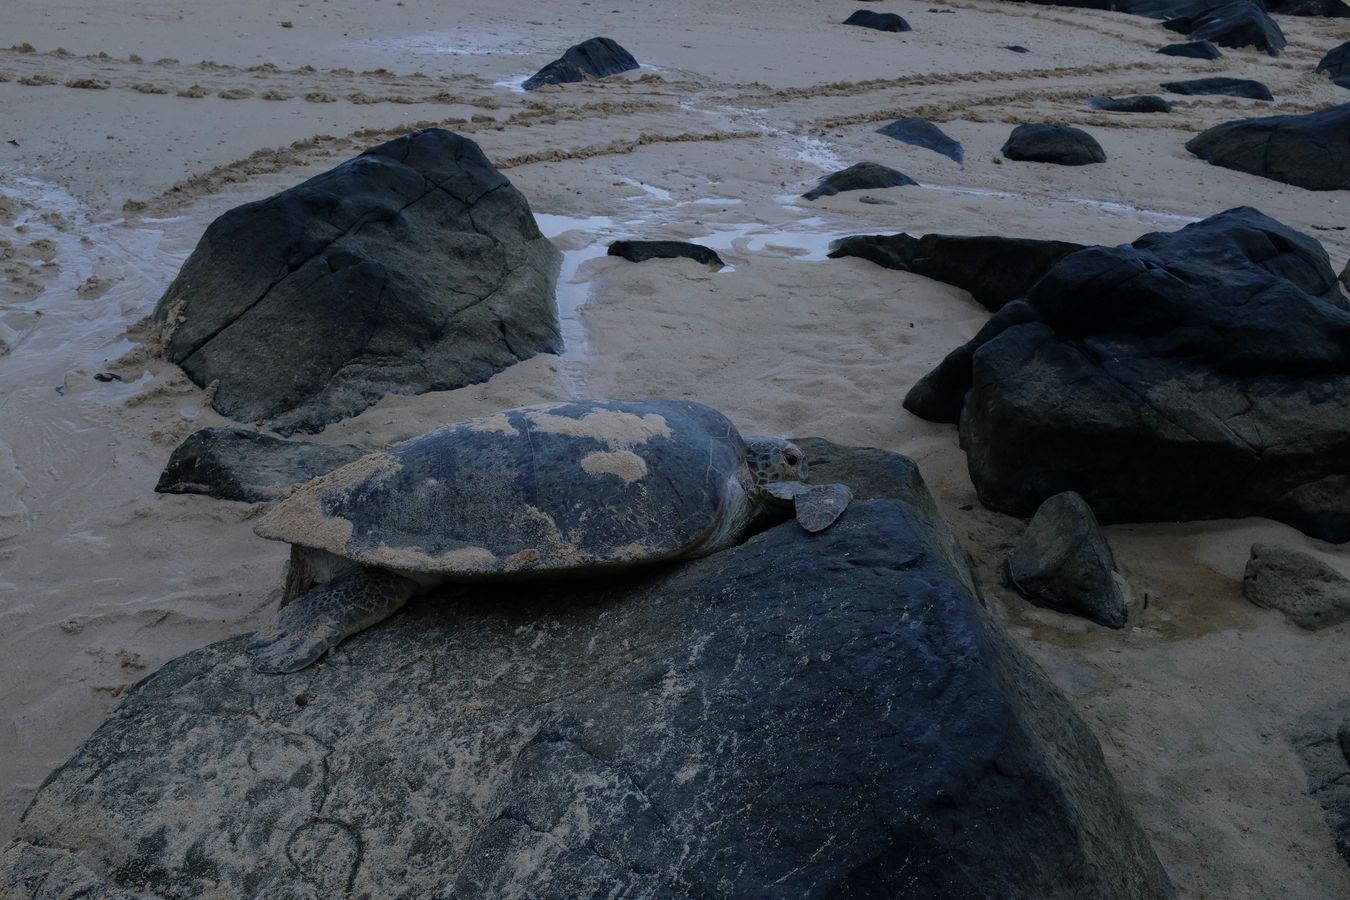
(585, 485)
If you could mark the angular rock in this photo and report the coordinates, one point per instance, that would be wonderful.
(1310, 593)
(1310, 151)
(1242, 23)
(1146, 103)
(597, 57)
(920, 132)
(1232, 87)
(641, 251)
(241, 464)
(1337, 61)
(1210, 364)
(861, 177)
(800, 716)
(414, 267)
(993, 269)
(865, 18)
(1062, 145)
(1193, 50)
(1062, 561)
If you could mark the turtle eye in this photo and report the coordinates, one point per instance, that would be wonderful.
(792, 457)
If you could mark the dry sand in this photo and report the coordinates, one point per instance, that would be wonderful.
(132, 123)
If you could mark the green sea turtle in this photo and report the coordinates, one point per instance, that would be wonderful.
(582, 488)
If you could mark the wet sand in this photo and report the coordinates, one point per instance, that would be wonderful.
(149, 123)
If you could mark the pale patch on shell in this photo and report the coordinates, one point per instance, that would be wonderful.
(522, 559)
(611, 427)
(624, 463)
(633, 550)
(415, 559)
(301, 519)
(497, 423)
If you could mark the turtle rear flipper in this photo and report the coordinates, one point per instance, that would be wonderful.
(314, 624)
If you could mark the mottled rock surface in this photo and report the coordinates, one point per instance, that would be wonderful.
(240, 464)
(1310, 151)
(1211, 364)
(1325, 750)
(860, 177)
(1239, 24)
(995, 270)
(597, 57)
(866, 18)
(1062, 145)
(801, 716)
(1231, 87)
(1062, 561)
(641, 251)
(1310, 593)
(1144, 103)
(1192, 50)
(920, 132)
(414, 267)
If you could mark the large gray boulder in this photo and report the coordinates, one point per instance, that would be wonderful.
(1211, 364)
(414, 267)
(801, 716)
(1310, 593)
(1310, 151)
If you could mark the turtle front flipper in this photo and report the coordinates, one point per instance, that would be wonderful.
(315, 623)
(816, 506)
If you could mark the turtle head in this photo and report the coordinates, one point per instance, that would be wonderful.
(778, 471)
(773, 459)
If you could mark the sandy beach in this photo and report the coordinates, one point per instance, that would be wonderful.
(129, 125)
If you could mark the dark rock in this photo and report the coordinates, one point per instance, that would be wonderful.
(1311, 151)
(1146, 103)
(1310, 593)
(865, 18)
(939, 395)
(1331, 9)
(641, 251)
(861, 177)
(993, 269)
(1062, 145)
(1209, 364)
(1337, 61)
(1341, 81)
(1239, 24)
(1232, 87)
(595, 58)
(1016, 48)
(239, 464)
(1193, 50)
(1062, 562)
(800, 716)
(414, 267)
(922, 133)
(1325, 750)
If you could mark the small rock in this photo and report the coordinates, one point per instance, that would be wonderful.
(1061, 145)
(876, 201)
(1145, 103)
(1016, 48)
(595, 58)
(1337, 62)
(107, 376)
(641, 251)
(1309, 592)
(1231, 87)
(920, 132)
(865, 18)
(1193, 50)
(1063, 562)
(287, 25)
(859, 177)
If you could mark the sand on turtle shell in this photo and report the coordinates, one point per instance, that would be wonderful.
(612, 427)
(624, 463)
